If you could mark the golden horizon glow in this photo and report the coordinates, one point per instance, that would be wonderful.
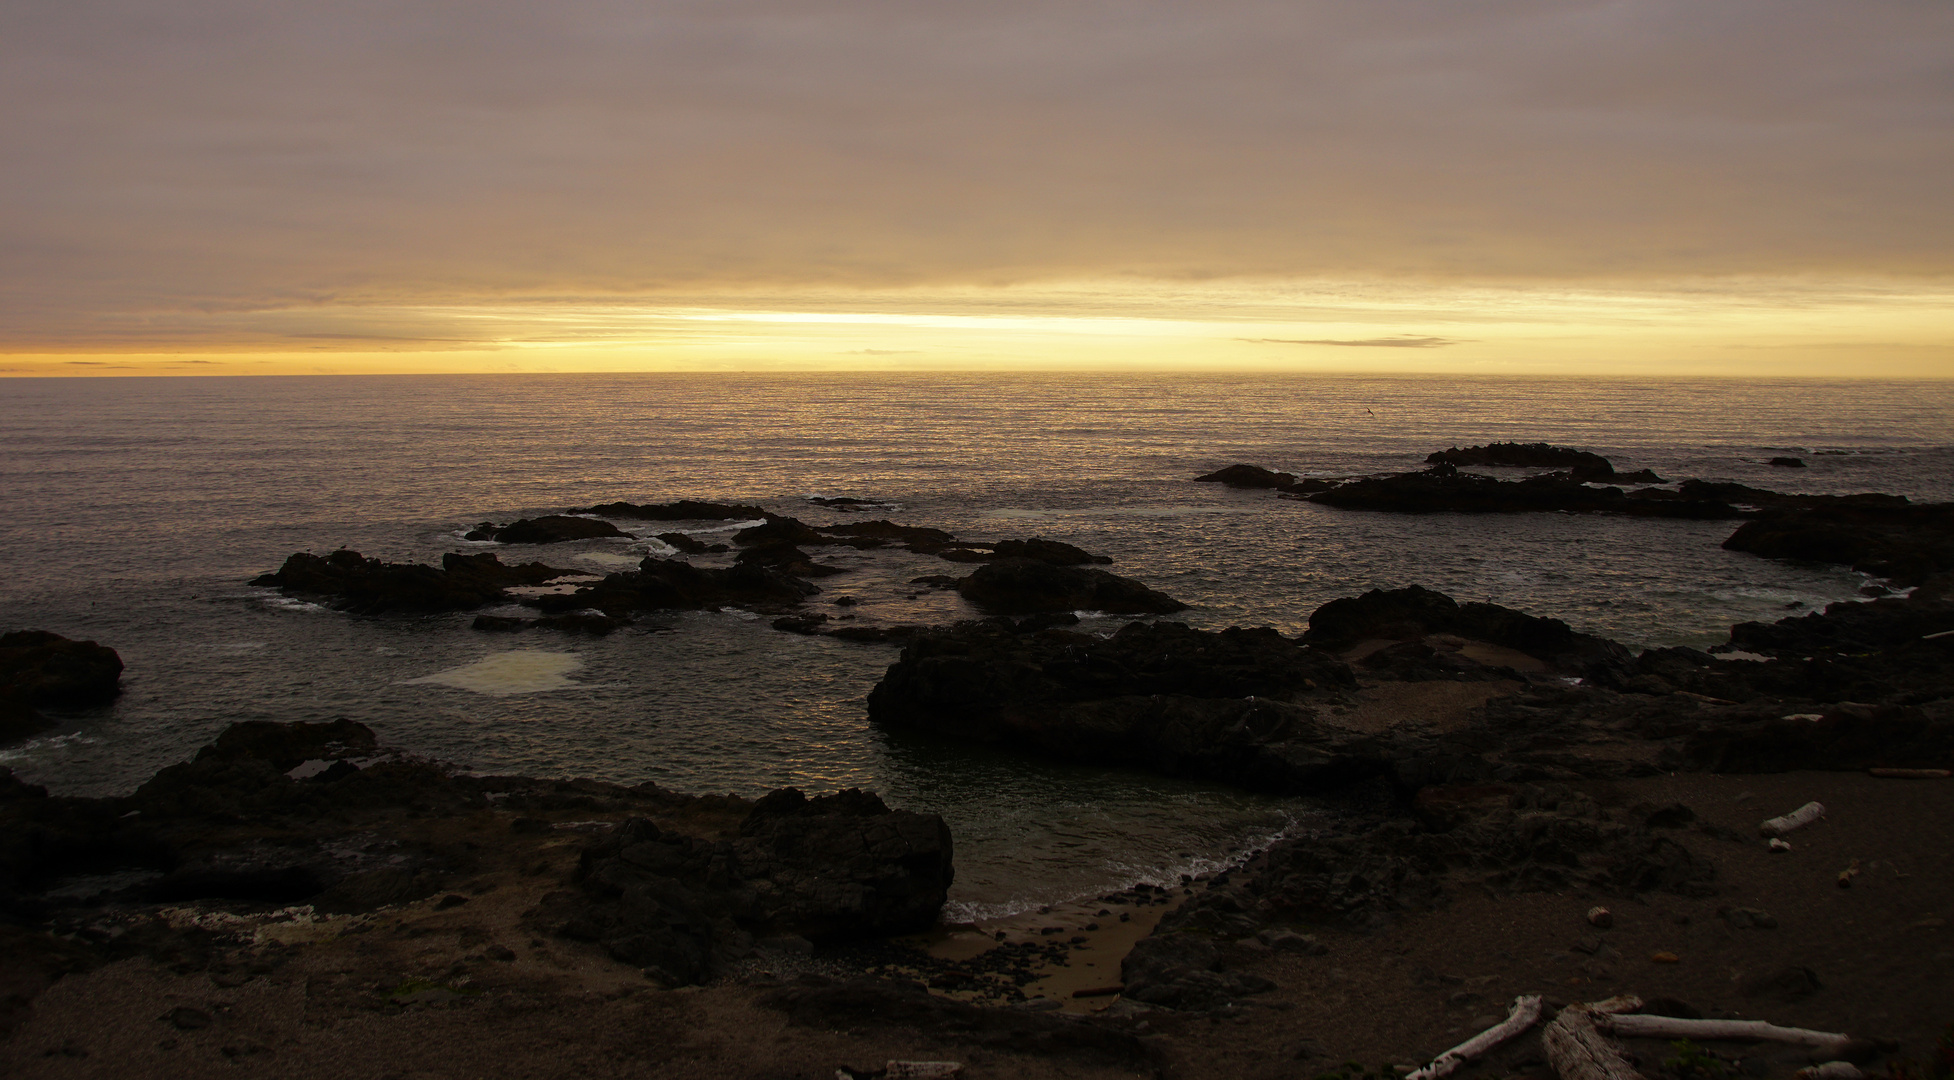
(1707, 327)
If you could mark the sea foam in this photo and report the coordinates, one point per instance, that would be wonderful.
(521, 672)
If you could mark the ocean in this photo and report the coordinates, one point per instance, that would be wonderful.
(134, 511)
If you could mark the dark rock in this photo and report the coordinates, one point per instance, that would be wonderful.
(688, 545)
(1639, 476)
(551, 529)
(1443, 488)
(283, 746)
(1022, 586)
(1788, 462)
(42, 668)
(1673, 816)
(828, 868)
(1247, 476)
(1183, 971)
(1906, 544)
(39, 668)
(674, 584)
(369, 586)
(1585, 465)
(1414, 612)
(888, 530)
(777, 529)
(1160, 696)
(1508, 845)
(787, 559)
(683, 510)
(1047, 551)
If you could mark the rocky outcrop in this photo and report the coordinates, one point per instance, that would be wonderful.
(1184, 971)
(787, 559)
(1444, 488)
(1415, 612)
(1021, 586)
(1905, 544)
(1502, 838)
(1247, 476)
(40, 669)
(673, 584)
(1232, 706)
(1583, 464)
(882, 529)
(682, 510)
(550, 529)
(828, 868)
(366, 586)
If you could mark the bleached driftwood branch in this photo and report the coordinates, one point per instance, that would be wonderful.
(1525, 1013)
(1670, 1027)
(1797, 819)
(1578, 1050)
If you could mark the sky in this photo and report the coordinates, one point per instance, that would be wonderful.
(1608, 187)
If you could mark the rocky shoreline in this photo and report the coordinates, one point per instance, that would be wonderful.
(1493, 779)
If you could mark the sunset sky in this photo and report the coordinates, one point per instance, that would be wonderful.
(1744, 187)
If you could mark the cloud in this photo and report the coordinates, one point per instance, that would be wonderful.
(1381, 343)
(208, 157)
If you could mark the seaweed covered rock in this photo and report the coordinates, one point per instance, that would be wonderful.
(1017, 586)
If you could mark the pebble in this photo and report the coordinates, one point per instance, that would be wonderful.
(1665, 958)
(1601, 917)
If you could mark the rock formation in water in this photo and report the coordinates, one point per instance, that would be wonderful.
(40, 669)
(1022, 586)
(352, 582)
(683, 510)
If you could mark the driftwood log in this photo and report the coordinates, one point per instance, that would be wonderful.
(1578, 1050)
(1525, 1013)
(1797, 819)
(1670, 1027)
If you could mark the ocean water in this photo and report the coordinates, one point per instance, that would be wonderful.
(134, 511)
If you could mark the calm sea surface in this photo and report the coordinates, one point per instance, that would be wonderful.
(133, 511)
